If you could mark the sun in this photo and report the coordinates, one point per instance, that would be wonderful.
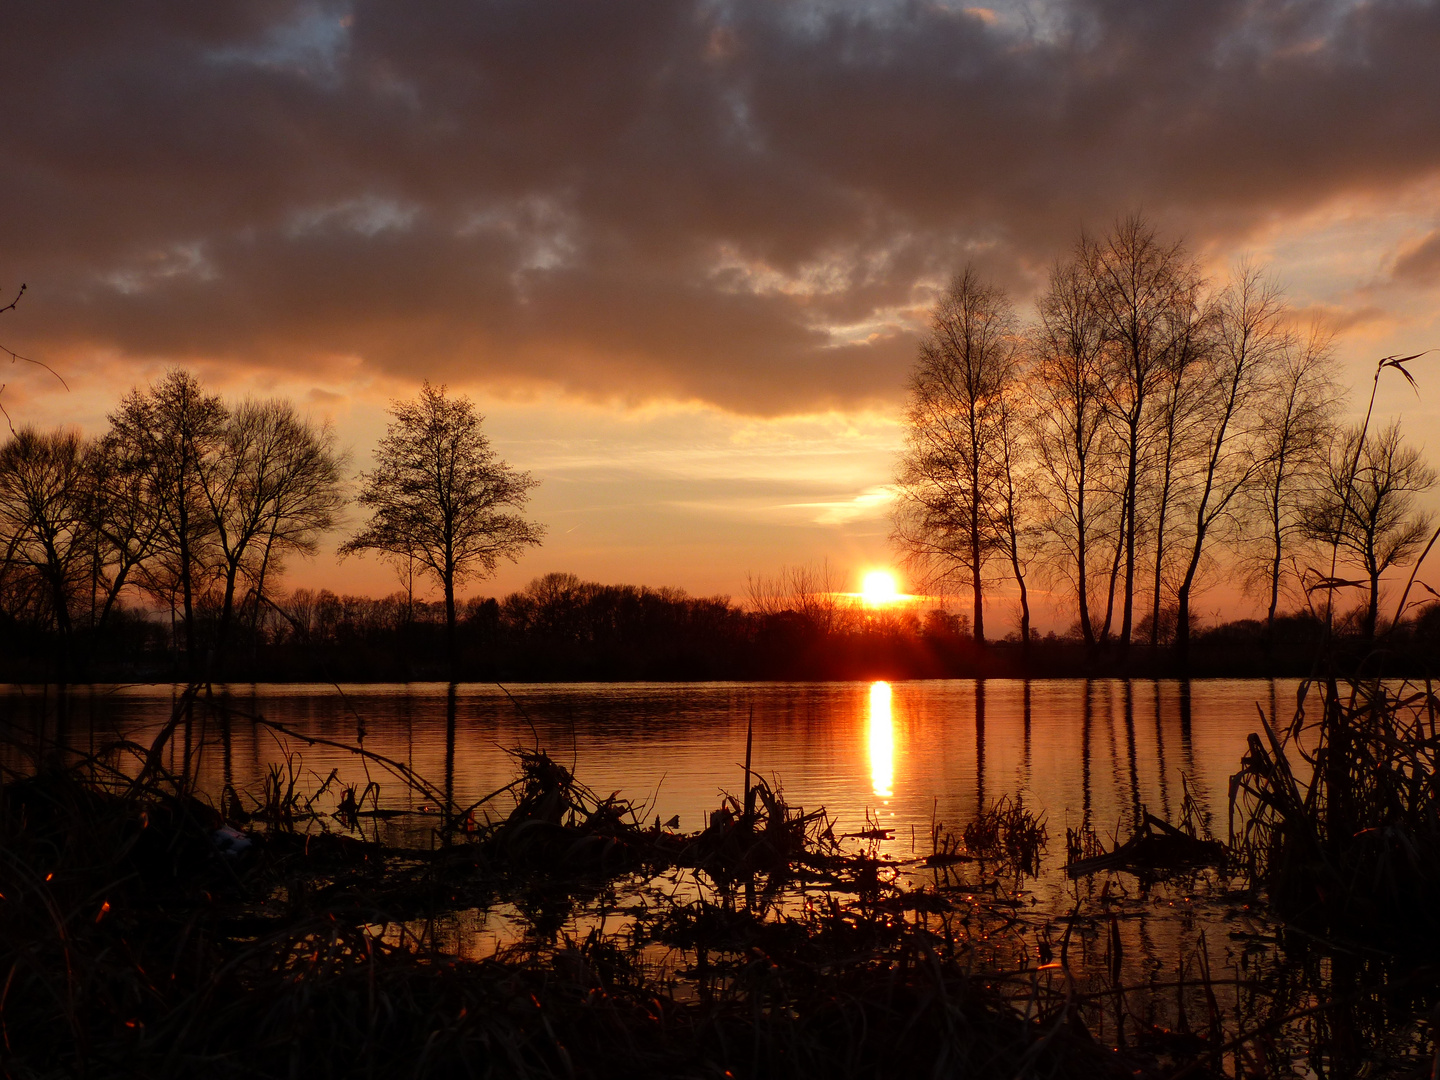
(878, 588)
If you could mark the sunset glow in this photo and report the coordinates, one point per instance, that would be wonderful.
(879, 590)
(559, 404)
(685, 284)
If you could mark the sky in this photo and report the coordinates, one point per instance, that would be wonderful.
(679, 252)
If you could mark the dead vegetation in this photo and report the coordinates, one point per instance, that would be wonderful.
(1339, 816)
(142, 933)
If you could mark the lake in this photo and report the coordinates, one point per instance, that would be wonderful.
(902, 754)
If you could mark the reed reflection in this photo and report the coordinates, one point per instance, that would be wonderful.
(880, 735)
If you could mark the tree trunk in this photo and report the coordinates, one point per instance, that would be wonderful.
(187, 597)
(1082, 585)
(1372, 609)
(979, 622)
(1114, 575)
(1182, 620)
(979, 608)
(1182, 614)
(222, 631)
(1160, 551)
(1024, 610)
(451, 652)
(1274, 583)
(1132, 478)
(1159, 566)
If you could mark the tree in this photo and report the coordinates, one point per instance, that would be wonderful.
(1071, 439)
(944, 518)
(272, 488)
(42, 515)
(1367, 506)
(810, 591)
(1014, 494)
(1179, 402)
(1250, 338)
(439, 495)
(168, 432)
(1146, 294)
(1296, 421)
(123, 523)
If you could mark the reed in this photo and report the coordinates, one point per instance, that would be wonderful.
(1339, 816)
(1007, 832)
(138, 939)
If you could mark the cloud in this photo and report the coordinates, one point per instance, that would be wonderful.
(1419, 264)
(740, 202)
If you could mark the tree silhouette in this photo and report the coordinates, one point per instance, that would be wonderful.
(439, 495)
(273, 488)
(42, 511)
(951, 474)
(170, 430)
(1367, 508)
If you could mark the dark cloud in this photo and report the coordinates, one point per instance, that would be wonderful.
(733, 201)
(1420, 264)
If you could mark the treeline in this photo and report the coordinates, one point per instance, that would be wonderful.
(1145, 434)
(560, 627)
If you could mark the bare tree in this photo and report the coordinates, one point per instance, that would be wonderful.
(438, 494)
(1297, 408)
(947, 475)
(42, 516)
(1367, 506)
(1145, 294)
(1179, 403)
(1250, 341)
(1014, 496)
(169, 431)
(811, 591)
(1070, 441)
(272, 488)
(123, 521)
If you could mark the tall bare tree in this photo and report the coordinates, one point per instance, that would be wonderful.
(1146, 293)
(1015, 495)
(123, 521)
(1250, 340)
(1178, 405)
(1071, 441)
(272, 488)
(944, 519)
(169, 431)
(1367, 508)
(440, 495)
(1296, 417)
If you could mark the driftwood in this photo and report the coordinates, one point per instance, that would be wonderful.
(1155, 845)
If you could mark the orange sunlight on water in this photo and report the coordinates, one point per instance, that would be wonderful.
(881, 738)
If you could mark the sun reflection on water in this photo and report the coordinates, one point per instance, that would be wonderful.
(881, 737)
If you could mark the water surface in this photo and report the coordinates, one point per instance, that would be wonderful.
(904, 753)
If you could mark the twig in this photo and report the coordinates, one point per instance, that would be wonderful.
(10, 306)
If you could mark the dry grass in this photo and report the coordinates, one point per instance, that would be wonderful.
(133, 943)
(1339, 816)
